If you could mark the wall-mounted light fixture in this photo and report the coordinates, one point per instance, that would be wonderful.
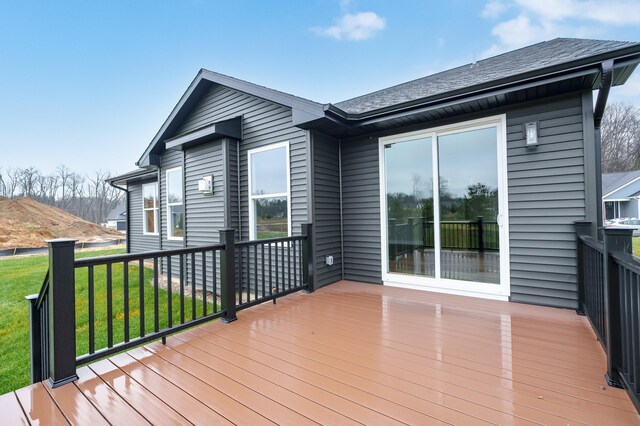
(531, 134)
(205, 185)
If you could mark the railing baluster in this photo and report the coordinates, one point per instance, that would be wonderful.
(193, 286)
(289, 265)
(156, 307)
(141, 295)
(277, 265)
(255, 271)
(91, 295)
(214, 262)
(125, 287)
(182, 270)
(262, 261)
(270, 272)
(204, 283)
(109, 307)
(169, 293)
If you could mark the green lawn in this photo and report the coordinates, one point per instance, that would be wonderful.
(636, 246)
(22, 276)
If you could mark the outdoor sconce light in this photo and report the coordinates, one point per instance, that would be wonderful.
(205, 185)
(531, 134)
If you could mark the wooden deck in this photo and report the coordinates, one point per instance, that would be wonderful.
(350, 353)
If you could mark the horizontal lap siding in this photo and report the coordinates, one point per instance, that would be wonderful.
(326, 192)
(546, 195)
(263, 123)
(138, 242)
(361, 210)
(205, 214)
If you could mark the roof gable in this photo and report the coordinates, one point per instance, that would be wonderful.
(302, 109)
(613, 183)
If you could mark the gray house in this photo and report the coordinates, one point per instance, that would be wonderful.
(467, 181)
(621, 194)
(117, 217)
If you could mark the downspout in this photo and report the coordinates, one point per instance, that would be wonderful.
(126, 191)
(606, 78)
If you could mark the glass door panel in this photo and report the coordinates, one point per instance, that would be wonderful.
(469, 233)
(409, 196)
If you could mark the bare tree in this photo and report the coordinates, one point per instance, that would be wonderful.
(620, 138)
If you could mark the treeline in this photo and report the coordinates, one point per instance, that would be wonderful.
(620, 138)
(87, 196)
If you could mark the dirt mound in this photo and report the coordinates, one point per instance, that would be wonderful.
(27, 223)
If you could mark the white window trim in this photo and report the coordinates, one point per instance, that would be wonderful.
(492, 291)
(252, 220)
(169, 205)
(155, 208)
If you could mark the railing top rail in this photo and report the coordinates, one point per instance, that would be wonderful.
(103, 260)
(627, 260)
(591, 242)
(269, 241)
(43, 290)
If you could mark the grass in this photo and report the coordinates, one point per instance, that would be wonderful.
(636, 246)
(22, 276)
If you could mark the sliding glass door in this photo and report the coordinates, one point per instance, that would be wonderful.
(443, 197)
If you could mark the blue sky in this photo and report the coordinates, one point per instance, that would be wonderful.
(87, 84)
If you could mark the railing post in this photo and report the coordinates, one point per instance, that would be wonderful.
(411, 236)
(615, 239)
(307, 257)
(480, 234)
(62, 312)
(228, 275)
(35, 339)
(393, 239)
(583, 227)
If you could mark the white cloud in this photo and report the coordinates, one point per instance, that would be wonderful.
(357, 27)
(616, 12)
(493, 9)
(539, 20)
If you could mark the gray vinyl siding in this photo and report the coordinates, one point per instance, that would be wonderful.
(326, 218)
(546, 195)
(138, 242)
(205, 214)
(263, 123)
(361, 210)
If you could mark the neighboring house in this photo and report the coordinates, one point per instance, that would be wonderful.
(467, 181)
(117, 218)
(621, 194)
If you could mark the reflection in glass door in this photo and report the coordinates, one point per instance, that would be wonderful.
(468, 169)
(409, 193)
(448, 230)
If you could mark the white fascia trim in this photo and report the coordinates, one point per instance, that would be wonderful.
(620, 187)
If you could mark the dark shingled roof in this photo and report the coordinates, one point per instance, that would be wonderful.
(538, 56)
(613, 181)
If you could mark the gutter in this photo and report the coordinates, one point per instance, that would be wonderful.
(126, 191)
(606, 78)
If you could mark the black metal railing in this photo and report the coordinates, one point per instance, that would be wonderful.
(419, 234)
(609, 295)
(590, 261)
(94, 307)
(628, 272)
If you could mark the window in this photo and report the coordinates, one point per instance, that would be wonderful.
(269, 192)
(175, 204)
(150, 208)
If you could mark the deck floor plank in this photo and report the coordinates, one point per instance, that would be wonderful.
(75, 406)
(207, 393)
(188, 406)
(38, 405)
(214, 359)
(350, 353)
(12, 410)
(260, 368)
(115, 409)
